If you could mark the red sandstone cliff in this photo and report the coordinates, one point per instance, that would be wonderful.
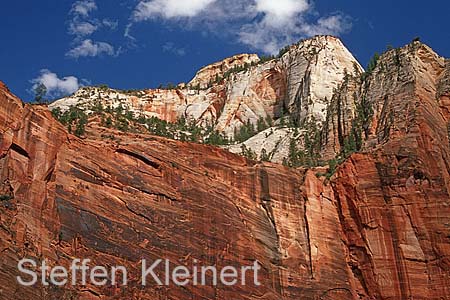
(394, 198)
(380, 229)
(150, 197)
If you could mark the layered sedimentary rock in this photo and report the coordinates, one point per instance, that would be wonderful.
(239, 89)
(394, 198)
(148, 197)
(204, 78)
(315, 68)
(379, 228)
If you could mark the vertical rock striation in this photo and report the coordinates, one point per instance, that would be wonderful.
(394, 197)
(149, 197)
(379, 228)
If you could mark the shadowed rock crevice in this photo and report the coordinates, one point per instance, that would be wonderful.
(19, 150)
(140, 157)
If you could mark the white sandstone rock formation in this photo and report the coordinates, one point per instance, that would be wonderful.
(300, 84)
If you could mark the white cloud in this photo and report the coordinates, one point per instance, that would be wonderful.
(265, 25)
(56, 86)
(283, 22)
(169, 8)
(88, 48)
(82, 28)
(281, 11)
(83, 8)
(86, 28)
(82, 25)
(335, 24)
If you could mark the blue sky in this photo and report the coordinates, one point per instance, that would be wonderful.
(134, 44)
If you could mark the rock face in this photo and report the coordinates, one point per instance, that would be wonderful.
(316, 67)
(346, 107)
(147, 197)
(394, 199)
(208, 74)
(378, 229)
(239, 89)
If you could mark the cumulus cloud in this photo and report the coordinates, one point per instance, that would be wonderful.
(56, 86)
(280, 12)
(88, 48)
(282, 22)
(169, 8)
(265, 25)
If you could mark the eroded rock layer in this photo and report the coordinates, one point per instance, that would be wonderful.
(148, 197)
(241, 89)
(394, 198)
(379, 229)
